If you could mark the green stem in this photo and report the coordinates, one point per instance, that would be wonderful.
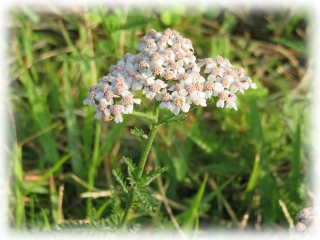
(142, 163)
(145, 115)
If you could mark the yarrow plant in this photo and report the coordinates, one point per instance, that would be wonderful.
(308, 225)
(166, 70)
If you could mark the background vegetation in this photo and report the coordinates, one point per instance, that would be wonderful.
(248, 169)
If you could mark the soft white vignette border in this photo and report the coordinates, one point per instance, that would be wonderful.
(5, 163)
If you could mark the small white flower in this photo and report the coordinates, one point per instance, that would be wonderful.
(225, 81)
(153, 88)
(247, 83)
(156, 59)
(212, 89)
(169, 75)
(179, 103)
(127, 103)
(156, 69)
(237, 86)
(194, 67)
(223, 97)
(220, 61)
(165, 99)
(228, 97)
(195, 77)
(187, 44)
(108, 96)
(197, 98)
(231, 101)
(98, 115)
(116, 111)
(90, 99)
(121, 90)
(208, 62)
(167, 54)
(162, 41)
(106, 116)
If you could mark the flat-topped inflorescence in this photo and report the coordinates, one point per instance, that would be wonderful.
(166, 69)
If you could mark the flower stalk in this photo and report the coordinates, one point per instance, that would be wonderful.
(144, 156)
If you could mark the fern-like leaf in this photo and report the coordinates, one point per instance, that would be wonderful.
(120, 179)
(143, 197)
(175, 118)
(131, 166)
(139, 133)
(150, 176)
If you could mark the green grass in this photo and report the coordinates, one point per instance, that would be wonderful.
(223, 164)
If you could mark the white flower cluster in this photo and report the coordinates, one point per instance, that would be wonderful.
(308, 225)
(166, 69)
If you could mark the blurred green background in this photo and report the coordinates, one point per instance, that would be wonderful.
(257, 159)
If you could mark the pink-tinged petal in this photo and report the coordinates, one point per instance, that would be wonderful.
(150, 80)
(107, 111)
(181, 70)
(86, 101)
(201, 79)
(233, 88)
(112, 79)
(99, 95)
(175, 110)
(91, 102)
(158, 98)
(137, 86)
(196, 69)
(189, 100)
(207, 70)
(137, 100)
(200, 64)
(208, 94)
(245, 85)
(118, 118)
(125, 110)
(183, 93)
(220, 103)
(175, 94)
(201, 94)
(212, 78)
(162, 104)
(218, 87)
(230, 78)
(231, 104)
(169, 105)
(98, 115)
(146, 90)
(193, 95)
(203, 102)
(150, 95)
(254, 86)
(172, 88)
(185, 107)
(129, 108)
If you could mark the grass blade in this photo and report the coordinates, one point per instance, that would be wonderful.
(192, 214)
(47, 174)
(294, 174)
